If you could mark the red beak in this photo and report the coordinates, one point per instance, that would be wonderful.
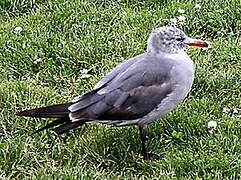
(195, 42)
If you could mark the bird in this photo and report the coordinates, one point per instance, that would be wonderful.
(136, 92)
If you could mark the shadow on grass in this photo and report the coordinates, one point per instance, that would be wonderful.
(118, 150)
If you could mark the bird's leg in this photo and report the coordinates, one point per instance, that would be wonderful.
(144, 138)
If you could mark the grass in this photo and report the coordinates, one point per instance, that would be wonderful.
(43, 64)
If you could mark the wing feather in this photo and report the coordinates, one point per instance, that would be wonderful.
(133, 93)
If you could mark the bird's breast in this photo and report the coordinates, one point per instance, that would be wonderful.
(181, 78)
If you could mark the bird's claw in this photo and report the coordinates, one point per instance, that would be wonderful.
(152, 157)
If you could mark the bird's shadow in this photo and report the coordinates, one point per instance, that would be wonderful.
(113, 147)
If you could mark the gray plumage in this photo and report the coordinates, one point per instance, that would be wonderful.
(141, 89)
(136, 92)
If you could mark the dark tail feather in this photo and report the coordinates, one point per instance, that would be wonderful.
(68, 126)
(54, 111)
(59, 111)
(52, 124)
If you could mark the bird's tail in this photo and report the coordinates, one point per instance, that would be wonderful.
(54, 111)
(59, 111)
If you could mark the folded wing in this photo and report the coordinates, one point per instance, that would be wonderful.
(130, 94)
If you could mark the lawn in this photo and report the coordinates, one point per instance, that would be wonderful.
(54, 50)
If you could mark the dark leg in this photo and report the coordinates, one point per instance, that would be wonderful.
(144, 138)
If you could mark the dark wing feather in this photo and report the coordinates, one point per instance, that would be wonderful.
(140, 102)
(52, 124)
(68, 126)
(54, 111)
(132, 93)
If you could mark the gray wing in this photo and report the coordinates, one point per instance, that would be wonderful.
(131, 91)
(118, 69)
(108, 78)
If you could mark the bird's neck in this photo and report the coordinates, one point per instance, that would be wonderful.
(159, 50)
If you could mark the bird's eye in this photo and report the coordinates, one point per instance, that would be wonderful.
(180, 39)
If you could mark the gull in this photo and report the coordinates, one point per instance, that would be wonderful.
(137, 92)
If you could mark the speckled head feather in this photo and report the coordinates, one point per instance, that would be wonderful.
(166, 39)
